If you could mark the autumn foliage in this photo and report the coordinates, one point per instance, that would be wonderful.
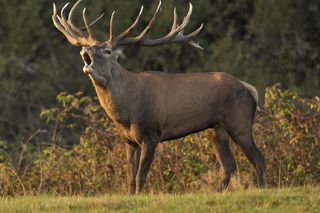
(78, 151)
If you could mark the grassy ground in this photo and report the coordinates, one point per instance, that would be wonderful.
(303, 199)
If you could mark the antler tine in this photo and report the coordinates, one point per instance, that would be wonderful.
(175, 20)
(56, 19)
(130, 29)
(86, 24)
(175, 29)
(175, 34)
(93, 22)
(188, 38)
(69, 21)
(62, 16)
(96, 20)
(186, 19)
(64, 22)
(71, 32)
(73, 8)
(146, 30)
(154, 18)
(111, 28)
(57, 23)
(179, 38)
(195, 44)
(194, 33)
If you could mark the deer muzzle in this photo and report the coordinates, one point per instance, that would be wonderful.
(86, 54)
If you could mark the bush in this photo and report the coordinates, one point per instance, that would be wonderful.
(286, 130)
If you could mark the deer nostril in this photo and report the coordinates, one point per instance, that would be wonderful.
(86, 58)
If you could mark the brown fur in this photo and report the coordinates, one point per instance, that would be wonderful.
(152, 107)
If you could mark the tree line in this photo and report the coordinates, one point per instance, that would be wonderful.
(261, 42)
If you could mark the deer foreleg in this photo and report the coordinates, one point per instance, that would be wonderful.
(133, 157)
(146, 158)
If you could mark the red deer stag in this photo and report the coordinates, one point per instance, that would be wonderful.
(152, 107)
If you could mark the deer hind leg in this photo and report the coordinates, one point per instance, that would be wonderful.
(243, 138)
(224, 155)
(254, 156)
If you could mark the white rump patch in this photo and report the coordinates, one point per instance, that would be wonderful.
(252, 90)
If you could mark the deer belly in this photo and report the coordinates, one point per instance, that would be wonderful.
(182, 126)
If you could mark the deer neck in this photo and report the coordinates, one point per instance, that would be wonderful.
(115, 95)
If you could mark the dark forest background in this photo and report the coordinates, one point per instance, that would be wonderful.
(261, 42)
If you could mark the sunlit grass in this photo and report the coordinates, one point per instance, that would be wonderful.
(302, 199)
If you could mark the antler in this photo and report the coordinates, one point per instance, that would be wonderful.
(74, 35)
(174, 36)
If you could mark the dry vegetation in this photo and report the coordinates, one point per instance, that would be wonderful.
(286, 130)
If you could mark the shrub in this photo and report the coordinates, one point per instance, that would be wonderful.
(286, 130)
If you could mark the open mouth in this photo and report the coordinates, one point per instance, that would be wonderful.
(88, 63)
(87, 59)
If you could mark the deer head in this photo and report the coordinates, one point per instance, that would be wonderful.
(99, 56)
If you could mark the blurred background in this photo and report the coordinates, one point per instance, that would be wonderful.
(262, 42)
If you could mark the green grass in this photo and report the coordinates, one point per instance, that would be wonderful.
(302, 199)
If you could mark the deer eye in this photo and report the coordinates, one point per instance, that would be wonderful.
(106, 51)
